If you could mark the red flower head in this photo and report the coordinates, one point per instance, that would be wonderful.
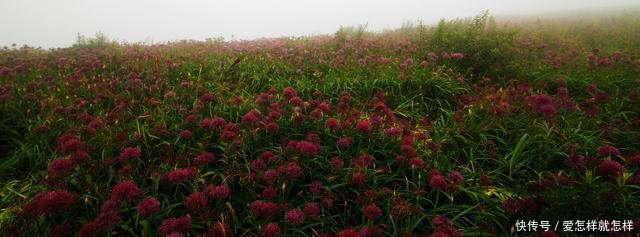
(251, 117)
(548, 110)
(289, 92)
(457, 56)
(316, 114)
(348, 233)
(345, 142)
(311, 210)
(359, 178)
(635, 180)
(332, 124)
(608, 150)
(393, 132)
(562, 92)
(364, 160)
(485, 180)
(125, 191)
(610, 168)
(292, 144)
(407, 141)
(438, 182)
(203, 159)
(313, 137)
(196, 202)
(264, 208)
(293, 170)
(307, 148)
(111, 205)
(270, 176)
(416, 162)
(363, 126)
(269, 192)
(540, 100)
(49, 203)
(324, 107)
(228, 135)
(372, 211)
(259, 165)
(315, 187)
(543, 104)
(336, 163)
(171, 225)
(294, 218)
(184, 134)
(180, 175)
(219, 192)
(5, 71)
(602, 97)
(148, 207)
(238, 100)
(264, 99)
(206, 97)
(455, 177)
(576, 162)
(268, 156)
(296, 101)
(520, 205)
(81, 156)
(101, 225)
(191, 118)
(69, 143)
(370, 231)
(271, 230)
(438, 234)
(72, 145)
(549, 234)
(634, 160)
(272, 127)
(60, 167)
(442, 224)
(130, 153)
(220, 229)
(213, 123)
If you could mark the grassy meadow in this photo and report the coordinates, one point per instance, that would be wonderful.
(461, 128)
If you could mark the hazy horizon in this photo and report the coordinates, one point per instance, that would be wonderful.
(47, 24)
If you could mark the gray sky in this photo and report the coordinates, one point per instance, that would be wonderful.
(55, 23)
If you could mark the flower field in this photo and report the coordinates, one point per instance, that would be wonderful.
(457, 129)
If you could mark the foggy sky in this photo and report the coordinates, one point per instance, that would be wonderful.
(56, 23)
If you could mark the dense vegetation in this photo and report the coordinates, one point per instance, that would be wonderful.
(461, 128)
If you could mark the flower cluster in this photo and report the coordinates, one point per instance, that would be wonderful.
(375, 135)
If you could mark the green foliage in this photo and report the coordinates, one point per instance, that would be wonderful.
(100, 40)
(508, 116)
(486, 46)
